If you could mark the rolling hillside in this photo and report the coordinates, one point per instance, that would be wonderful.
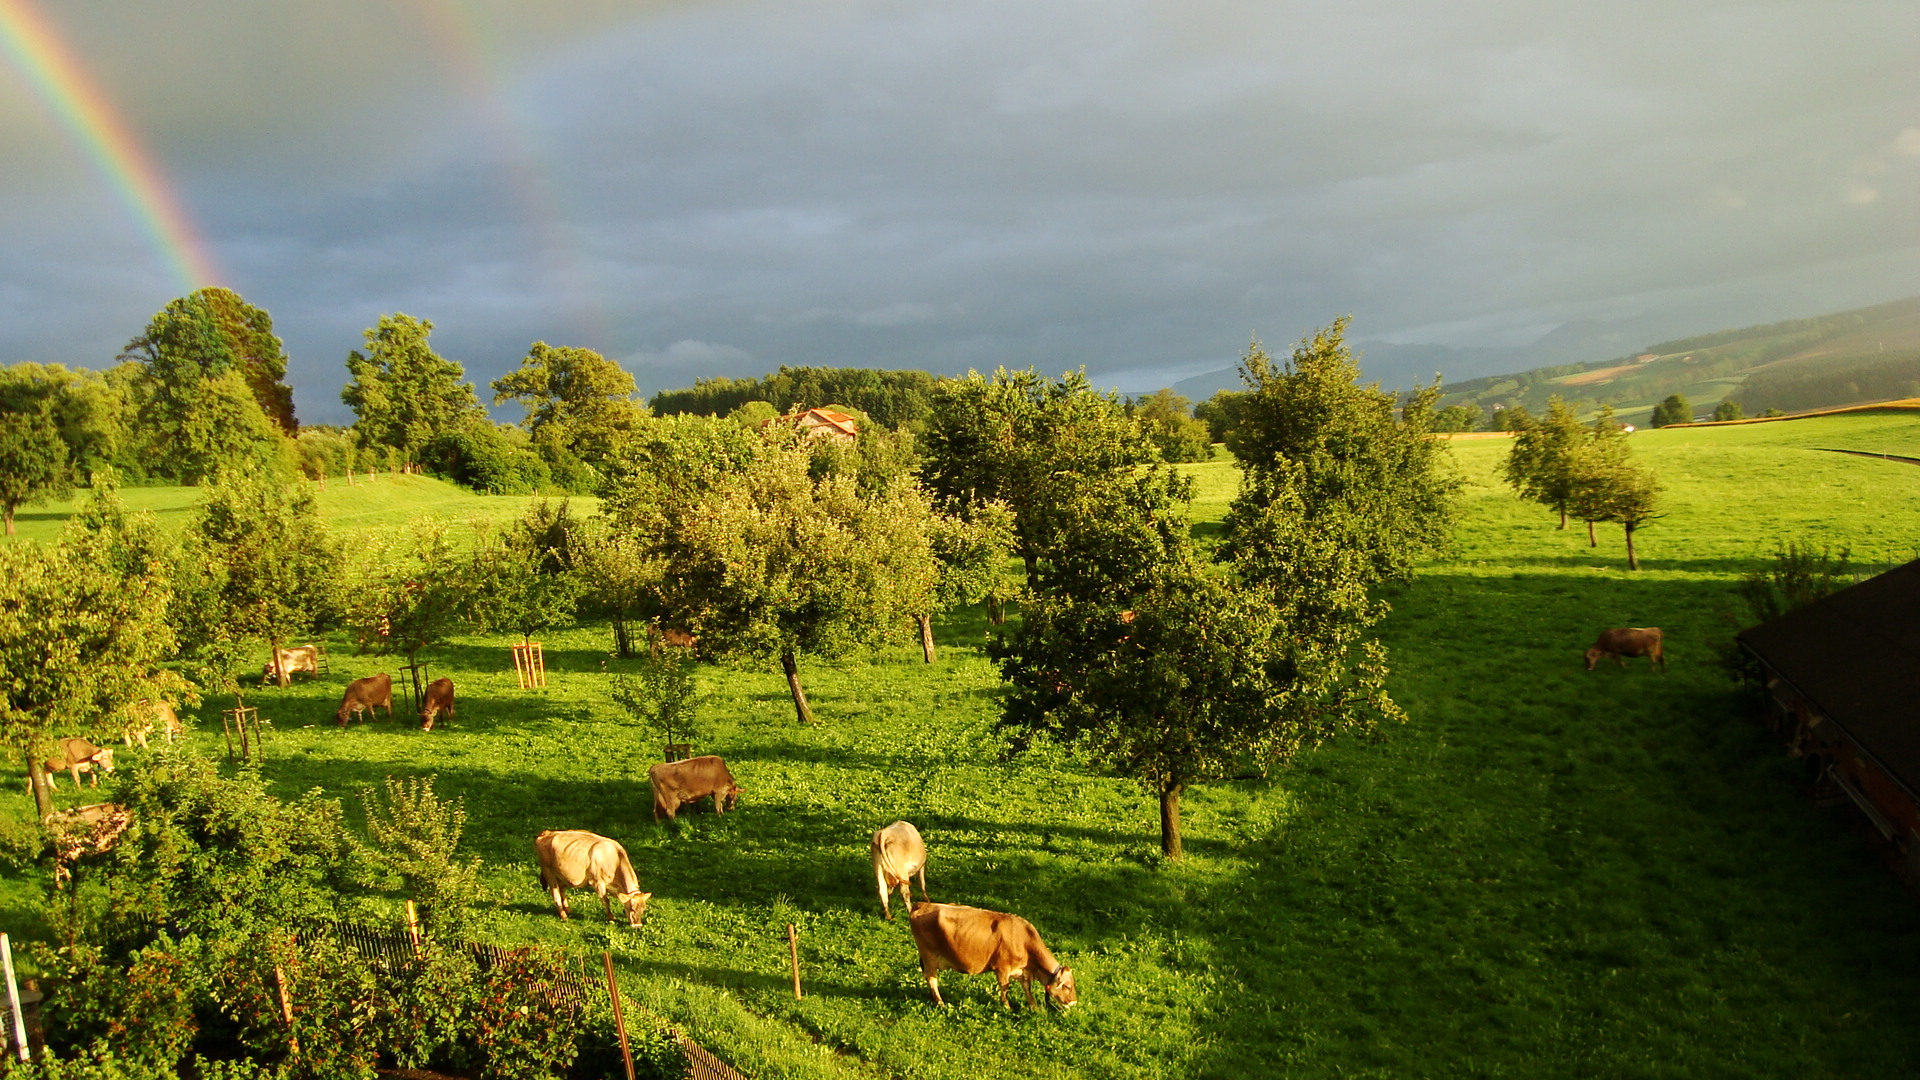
(1867, 354)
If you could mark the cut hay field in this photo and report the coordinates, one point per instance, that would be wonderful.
(1547, 872)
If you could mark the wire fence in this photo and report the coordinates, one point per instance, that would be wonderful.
(579, 979)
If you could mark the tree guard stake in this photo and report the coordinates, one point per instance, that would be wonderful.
(619, 1017)
(793, 949)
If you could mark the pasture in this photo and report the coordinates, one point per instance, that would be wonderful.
(1546, 872)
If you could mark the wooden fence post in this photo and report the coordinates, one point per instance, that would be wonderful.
(793, 949)
(13, 998)
(286, 1008)
(619, 1015)
(413, 931)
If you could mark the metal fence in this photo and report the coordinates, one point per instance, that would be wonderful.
(579, 980)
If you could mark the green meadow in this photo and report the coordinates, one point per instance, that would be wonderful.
(1546, 872)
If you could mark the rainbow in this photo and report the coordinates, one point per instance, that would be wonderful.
(36, 48)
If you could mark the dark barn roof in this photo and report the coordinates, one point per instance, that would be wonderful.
(1855, 656)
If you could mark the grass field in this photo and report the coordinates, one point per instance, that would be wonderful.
(1547, 872)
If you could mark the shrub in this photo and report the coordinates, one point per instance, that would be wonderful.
(415, 834)
(482, 456)
(143, 1009)
(660, 696)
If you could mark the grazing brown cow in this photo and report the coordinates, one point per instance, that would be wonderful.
(576, 859)
(678, 783)
(971, 940)
(366, 694)
(78, 756)
(1640, 641)
(147, 714)
(292, 661)
(439, 700)
(671, 638)
(898, 854)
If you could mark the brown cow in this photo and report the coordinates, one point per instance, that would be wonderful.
(439, 700)
(147, 714)
(672, 638)
(898, 854)
(678, 783)
(78, 756)
(293, 661)
(1640, 641)
(366, 695)
(971, 940)
(576, 859)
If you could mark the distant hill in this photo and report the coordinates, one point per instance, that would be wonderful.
(1867, 354)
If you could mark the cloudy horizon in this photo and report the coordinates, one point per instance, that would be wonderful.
(699, 189)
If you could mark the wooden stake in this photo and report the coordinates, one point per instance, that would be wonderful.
(286, 1008)
(793, 949)
(619, 1016)
(13, 998)
(413, 930)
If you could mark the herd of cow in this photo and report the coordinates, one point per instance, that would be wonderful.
(969, 940)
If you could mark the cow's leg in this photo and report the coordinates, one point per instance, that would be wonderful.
(559, 900)
(1026, 977)
(906, 894)
(606, 906)
(933, 984)
(1005, 977)
(886, 891)
(923, 886)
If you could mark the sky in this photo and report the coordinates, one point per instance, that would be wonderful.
(1139, 188)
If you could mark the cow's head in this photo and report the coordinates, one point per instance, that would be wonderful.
(1060, 991)
(636, 905)
(1593, 656)
(104, 759)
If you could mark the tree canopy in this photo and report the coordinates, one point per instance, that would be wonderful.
(578, 402)
(1310, 434)
(403, 394)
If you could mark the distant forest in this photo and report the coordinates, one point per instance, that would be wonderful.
(893, 399)
(1820, 382)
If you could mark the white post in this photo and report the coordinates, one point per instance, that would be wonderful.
(13, 998)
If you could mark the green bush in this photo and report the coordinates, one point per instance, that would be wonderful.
(482, 456)
(415, 835)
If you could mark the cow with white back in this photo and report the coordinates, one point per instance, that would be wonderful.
(1629, 642)
(577, 859)
(366, 695)
(679, 783)
(292, 661)
(898, 854)
(438, 702)
(971, 940)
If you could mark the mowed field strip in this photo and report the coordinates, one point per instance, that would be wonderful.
(1546, 872)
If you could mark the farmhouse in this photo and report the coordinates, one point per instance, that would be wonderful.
(1842, 679)
(821, 424)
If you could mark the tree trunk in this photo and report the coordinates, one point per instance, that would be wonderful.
(622, 641)
(1632, 562)
(1563, 518)
(997, 610)
(279, 669)
(926, 636)
(1033, 567)
(1170, 820)
(37, 779)
(792, 668)
(1591, 541)
(9, 513)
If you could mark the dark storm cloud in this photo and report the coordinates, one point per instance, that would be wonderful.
(719, 189)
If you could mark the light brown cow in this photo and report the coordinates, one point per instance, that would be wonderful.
(293, 661)
(971, 940)
(898, 854)
(678, 783)
(439, 700)
(659, 637)
(366, 695)
(147, 714)
(1635, 642)
(577, 859)
(78, 756)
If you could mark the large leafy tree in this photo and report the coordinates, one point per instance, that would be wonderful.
(525, 577)
(1171, 424)
(259, 567)
(775, 562)
(1367, 475)
(578, 402)
(1025, 440)
(1174, 672)
(205, 334)
(1608, 485)
(83, 633)
(34, 464)
(1540, 465)
(403, 394)
(971, 557)
(56, 427)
